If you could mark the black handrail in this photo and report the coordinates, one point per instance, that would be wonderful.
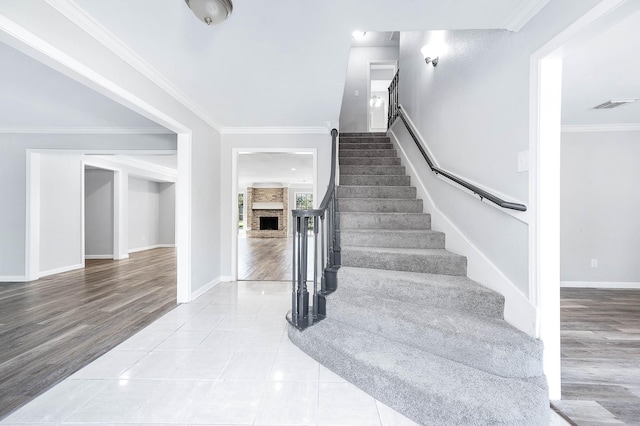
(323, 223)
(478, 191)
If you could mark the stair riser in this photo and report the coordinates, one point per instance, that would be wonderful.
(379, 139)
(363, 135)
(372, 170)
(421, 240)
(362, 145)
(375, 180)
(369, 161)
(430, 264)
(449, 293)
(504, 360)
(384, 221)
(396, 192)
(379, 205)
(367, 153)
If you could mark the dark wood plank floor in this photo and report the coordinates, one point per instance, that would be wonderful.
(54, 326)
(267, 259)
(600, 356)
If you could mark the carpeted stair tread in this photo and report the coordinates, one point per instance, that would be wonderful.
(489, 344)
(433, 261)
(428, 290)
(372, 170)
(382, 205)
(366, 145)
(364, 161)
(361, 191)
(365, 220)
(430, 390)
(373, 180)
(367, 153)
(399, 238)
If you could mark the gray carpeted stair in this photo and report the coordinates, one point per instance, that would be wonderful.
(406, 324)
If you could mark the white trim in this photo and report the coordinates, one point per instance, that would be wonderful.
(98, 256)
(205, 288)
(544, 203)
(151, 247)
(87, 130)
(600, 284)
(524, 14)
(518, 310)
(183, 217)
(521, 216)
(621, 127)
(86, 22)
(13, 279)
(61, 270)
(32, 216)
(273, 130)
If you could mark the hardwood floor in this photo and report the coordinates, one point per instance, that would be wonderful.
(266, 259)
(600, 356)
(52, 327)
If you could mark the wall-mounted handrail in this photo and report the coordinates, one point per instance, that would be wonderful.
(315, 229)
(398, 112)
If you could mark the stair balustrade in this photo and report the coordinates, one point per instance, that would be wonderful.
(316, 238)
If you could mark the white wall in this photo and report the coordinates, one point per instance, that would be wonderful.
(167, 221)
(151, 214)
(13, 181)
(265, 143)
(60, 213)
(600, 202)
(473, 112)
(353, 115)
(98, 213)
(111, 75)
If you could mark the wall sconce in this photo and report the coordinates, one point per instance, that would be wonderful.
(210, 11)
(429, 54)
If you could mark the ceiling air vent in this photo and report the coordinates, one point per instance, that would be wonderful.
(614, 103)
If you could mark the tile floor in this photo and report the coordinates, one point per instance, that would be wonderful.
(223, 359)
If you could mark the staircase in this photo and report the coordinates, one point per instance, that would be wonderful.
(406, 324)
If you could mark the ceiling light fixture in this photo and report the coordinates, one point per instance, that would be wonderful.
(358, 35)
(430, 54)
(210, 11)
(613, 103)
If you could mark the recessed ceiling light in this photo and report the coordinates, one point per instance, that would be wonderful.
(293, 169)
(358, 35)
(613, 103)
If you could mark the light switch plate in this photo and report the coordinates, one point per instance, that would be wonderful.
(523, 161)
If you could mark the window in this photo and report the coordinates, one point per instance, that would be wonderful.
(241, 210)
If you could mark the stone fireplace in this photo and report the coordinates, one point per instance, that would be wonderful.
(267, 208)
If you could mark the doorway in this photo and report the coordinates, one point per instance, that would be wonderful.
(380, 74)
(99, 213)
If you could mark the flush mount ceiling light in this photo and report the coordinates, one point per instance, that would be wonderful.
(613, 103)
(210, 11)
(358, 35)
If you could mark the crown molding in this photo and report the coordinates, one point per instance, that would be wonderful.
(275, 131)
(88, 130)
(588, 128)
(91, 26)
(524, 14)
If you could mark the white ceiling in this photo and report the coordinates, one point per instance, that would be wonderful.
(277, 64)
(275, 167)
(605, 68)
(36, 97)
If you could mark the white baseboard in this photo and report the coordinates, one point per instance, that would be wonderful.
(202, 290)
(155, 246)
(122, 256)
(518, 310)
(13, 279)
(98, 256)
(226, 279)
(61, 270)
(600, 284)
